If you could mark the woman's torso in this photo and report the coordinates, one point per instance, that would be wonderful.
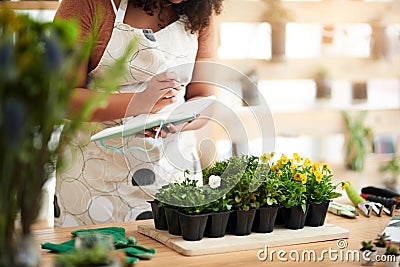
(99, 185)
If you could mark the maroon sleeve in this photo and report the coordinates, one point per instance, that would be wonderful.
(95, 19)
(81, 10)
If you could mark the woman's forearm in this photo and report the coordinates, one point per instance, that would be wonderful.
(106, 107)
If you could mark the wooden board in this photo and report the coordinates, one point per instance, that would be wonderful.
(279, 237)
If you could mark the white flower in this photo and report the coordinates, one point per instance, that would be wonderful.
(177, 179)
(214, 181)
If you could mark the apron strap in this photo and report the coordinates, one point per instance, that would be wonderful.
(120, 14)
(114, 7)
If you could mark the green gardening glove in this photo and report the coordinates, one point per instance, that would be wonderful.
(139, 251)
(118, 234)
(128, 244)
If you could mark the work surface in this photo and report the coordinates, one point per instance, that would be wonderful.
(327, 253)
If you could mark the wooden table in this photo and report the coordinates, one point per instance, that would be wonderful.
(361, 228)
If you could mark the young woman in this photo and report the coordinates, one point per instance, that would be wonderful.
(99, 185)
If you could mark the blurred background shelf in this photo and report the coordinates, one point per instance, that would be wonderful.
(332, 36)
(30, 5)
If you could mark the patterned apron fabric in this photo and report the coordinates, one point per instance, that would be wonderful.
(98, 185)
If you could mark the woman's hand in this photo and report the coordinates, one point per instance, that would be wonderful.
(166, 130)
(161, 91)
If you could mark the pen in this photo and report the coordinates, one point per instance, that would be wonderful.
(143, 71)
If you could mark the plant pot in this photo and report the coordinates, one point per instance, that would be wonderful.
(216, 224)
(323, 87)
(294, 217)
(359, 92)
(380, 250)
(192, 226)
(391, 261)
(160, 220)
(264, 220)
(172, 218)
(250, 93)
(278, 40)
(316, 214)
(367, 257)
(380, 42)
(241, 221)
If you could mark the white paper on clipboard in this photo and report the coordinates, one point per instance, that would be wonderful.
(187, 111)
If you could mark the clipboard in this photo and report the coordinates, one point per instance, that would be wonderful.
(184, 112)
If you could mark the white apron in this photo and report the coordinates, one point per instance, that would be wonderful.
(99, 185)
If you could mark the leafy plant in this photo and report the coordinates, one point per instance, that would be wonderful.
(381, 240)
(275, 11)
(38, 61)
(367, 245)
(293, 183)
(392, 168)
(188, 197)
(392, 250)
(34, 94)
(240, 177)
(357, 142)
(300, 181)
(269, 192)
(319, 183)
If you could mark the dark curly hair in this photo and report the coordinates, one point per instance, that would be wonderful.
(198, 12)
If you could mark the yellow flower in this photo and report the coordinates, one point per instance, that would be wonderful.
(284, 159)
(293, 168)
(307, 162)
(303, 178)
(345, 185)
(316, 166)
(274, 167)
(297, 177)
(296, 157)
(318, 176)
(326, 167)
(265, 157)
(279, 173)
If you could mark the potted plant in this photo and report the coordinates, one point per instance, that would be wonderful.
(158, 211)
(358, 139)
(392, 169)
(277, 16)
(185, 207)
(37, 75)
(392, 256)
(367, 253)
(359, 91)
(239, 176)
(322, 84)
(219, 208)
(167, 198)
(319, 191)
(193, 219)
(293, 197)
(237, 190)
(381, 241)
(268, 194)
(380, 42)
